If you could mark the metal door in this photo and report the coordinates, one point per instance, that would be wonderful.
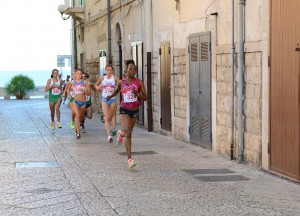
(200, 89)
(137, 54)
(284, 88)
(165, 86)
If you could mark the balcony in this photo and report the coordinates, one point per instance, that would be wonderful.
(74, 8)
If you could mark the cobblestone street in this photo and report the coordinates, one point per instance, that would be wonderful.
(90, 176)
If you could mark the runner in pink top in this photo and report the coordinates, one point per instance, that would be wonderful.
(133, 93)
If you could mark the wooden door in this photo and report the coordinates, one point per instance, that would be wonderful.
(284, 87)
(165, 83)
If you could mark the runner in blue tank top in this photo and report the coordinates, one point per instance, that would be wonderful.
(80, 89)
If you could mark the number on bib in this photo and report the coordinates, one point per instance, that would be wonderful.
(129, 97)
(55, 91)
(107, 91)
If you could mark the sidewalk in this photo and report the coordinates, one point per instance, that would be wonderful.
(90, 176)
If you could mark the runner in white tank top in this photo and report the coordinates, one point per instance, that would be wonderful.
(107, 85)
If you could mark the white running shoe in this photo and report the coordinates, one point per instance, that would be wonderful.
(110, 139)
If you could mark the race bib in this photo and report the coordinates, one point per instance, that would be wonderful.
(107, 91)
(55, 90)
(128, 96)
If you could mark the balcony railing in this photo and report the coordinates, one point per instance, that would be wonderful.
(74, 3)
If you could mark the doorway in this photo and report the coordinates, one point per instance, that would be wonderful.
(137, 55)
(165, 86)
(284, 146)
(200, 89)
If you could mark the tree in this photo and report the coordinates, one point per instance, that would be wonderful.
(19, 85)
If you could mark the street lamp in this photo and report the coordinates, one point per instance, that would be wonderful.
(61, 8)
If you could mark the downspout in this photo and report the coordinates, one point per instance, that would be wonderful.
(109, 33)
(232, 85)
(149, 45)
(241, 82)
(74, 46)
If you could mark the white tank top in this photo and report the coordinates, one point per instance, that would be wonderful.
(108, 86)
(56, 87)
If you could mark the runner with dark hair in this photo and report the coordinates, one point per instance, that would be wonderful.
(133, 93)
(54, 87)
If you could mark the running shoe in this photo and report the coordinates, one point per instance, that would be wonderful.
(82, 128)
(113, 132)
(102, 119)
(52, 125)
(110, 139)
(72, 124)
(59, 125)
(77, 135)
(119, 137)
(131, 163)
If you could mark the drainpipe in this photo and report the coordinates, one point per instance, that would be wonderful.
(149, 45)
(232, 86)
(109, 33)
(241, 81)
(74, 46)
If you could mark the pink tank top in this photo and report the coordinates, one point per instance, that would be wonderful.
(129, 100)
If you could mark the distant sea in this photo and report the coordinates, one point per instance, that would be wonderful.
(39, 77)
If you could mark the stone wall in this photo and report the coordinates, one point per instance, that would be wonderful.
(155, 91)
(180, 100)
(252, 106)
(92, 68)
(224, 104)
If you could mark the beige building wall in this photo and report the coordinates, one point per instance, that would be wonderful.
(128, 15)
(194, 17)
(174, 24)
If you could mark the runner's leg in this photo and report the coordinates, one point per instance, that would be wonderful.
(89, 112)
(127, 124)
(52, 110)
(106, 112)
(57, 109)
(77, 117)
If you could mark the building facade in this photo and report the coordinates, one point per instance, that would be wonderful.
(220, 74)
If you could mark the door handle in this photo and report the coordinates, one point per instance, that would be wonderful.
(297, 49)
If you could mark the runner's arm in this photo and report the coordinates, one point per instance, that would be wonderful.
(98, 85)
(142, 94)
(94, 89)
(87, 87)
(48, 87)
(68, 89)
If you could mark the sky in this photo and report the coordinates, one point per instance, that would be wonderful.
(32, 35)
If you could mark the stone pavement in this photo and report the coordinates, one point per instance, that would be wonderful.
(90, 176)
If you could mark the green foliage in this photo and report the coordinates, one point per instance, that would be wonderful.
(19, 85)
